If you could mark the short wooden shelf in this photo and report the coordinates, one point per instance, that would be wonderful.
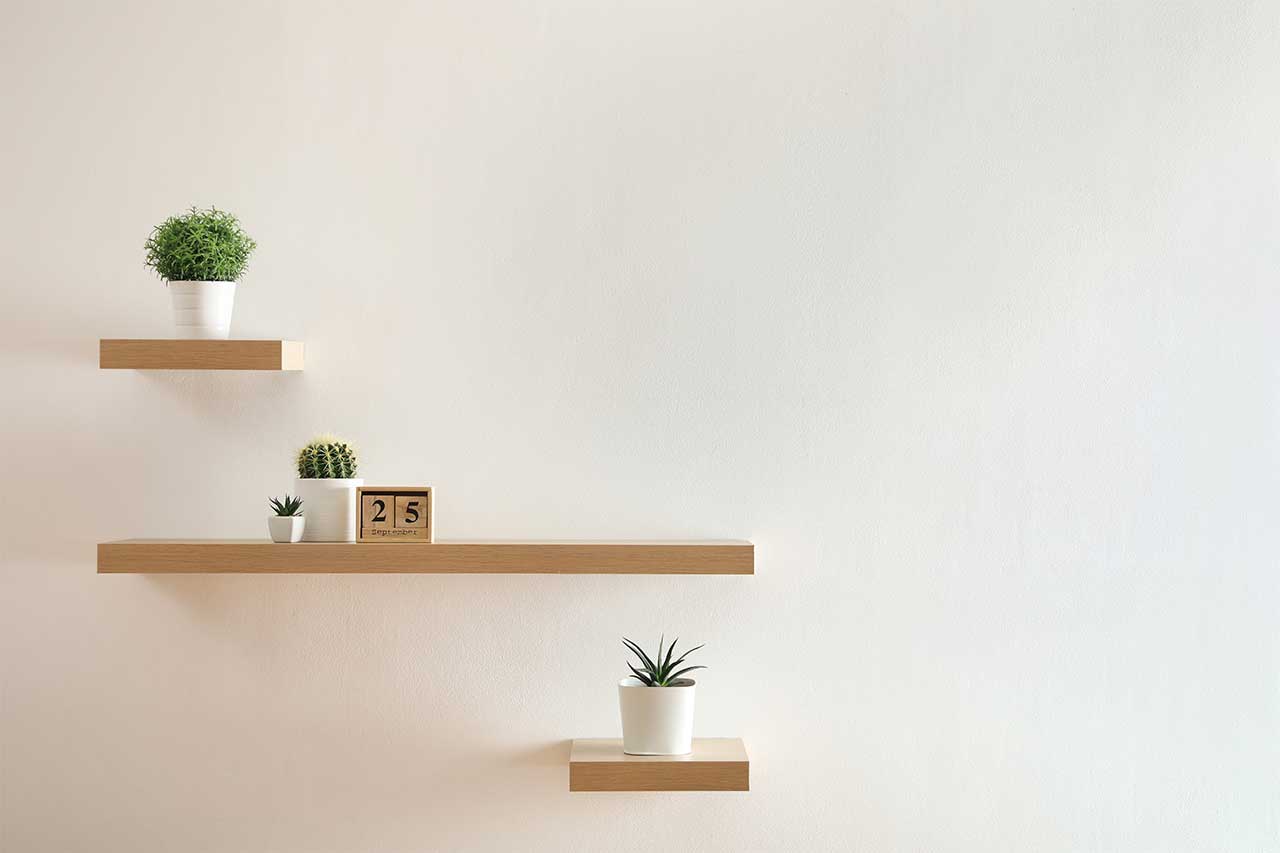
(181, 556)
(716, 764)
(160, 354)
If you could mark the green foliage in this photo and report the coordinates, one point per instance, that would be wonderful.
(288, 505)
(657, 672)
(327, 458)
(203, 245)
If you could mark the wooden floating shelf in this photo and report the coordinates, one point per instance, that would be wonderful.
(183, 556)
(160, 354)
(716, 764)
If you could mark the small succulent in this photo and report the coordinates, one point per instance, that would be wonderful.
(657, 672)
(327, 458)
(288, 505)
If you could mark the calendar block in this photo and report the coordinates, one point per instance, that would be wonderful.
(411, 511)
(377, 511)
(394, 514)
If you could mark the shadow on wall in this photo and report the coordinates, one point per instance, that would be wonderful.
(231, 396)
(338, 689)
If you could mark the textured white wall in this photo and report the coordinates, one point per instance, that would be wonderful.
(965, 313)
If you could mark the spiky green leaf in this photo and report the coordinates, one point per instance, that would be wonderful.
(666, 664)
(648, 664)
(659, 671)
(676, 675)
(644, 679)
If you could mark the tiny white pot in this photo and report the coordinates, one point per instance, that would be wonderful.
(202, 309)
(656, 720)
(286, 528)
(330, 507)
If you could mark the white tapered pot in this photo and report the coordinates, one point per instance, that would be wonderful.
(286, 528)
(656, 720)
(202, 309)
(329, 507)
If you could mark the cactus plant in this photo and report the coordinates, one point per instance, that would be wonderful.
(327, 458)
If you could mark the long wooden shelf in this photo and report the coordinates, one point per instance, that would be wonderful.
(163, 354)
(716, 764)
(183, 556)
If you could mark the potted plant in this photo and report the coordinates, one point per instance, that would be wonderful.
(201, 254)
(656, 701)
(327, 483)
(286, 523)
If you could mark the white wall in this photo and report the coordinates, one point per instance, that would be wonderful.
(965, 313)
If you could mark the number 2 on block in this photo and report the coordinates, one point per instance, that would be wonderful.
(374, 511)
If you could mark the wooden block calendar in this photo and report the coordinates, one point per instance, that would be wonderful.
(394, 514)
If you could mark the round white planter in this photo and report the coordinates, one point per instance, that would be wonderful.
(330, 507)
(656, 720)
(202, 309)
(286, 528)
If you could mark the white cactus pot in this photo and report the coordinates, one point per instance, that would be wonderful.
(202, 309)
(286, 528)
(329, 507)
(656, 720)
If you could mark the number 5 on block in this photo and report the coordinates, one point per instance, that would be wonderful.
(411, 511)
(394, 514)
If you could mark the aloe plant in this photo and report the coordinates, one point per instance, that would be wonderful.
(286, 506)
(327, 458)
(658, 671)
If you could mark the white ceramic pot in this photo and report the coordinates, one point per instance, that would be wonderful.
(202, 309)
(656, 720)
(330, 507)
(286, 528)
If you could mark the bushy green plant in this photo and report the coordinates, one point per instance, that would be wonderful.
(657, 672)
(327, 458)
(286, 506)
(203, 245)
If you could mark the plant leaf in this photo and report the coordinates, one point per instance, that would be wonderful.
(666, 664)
(685, 655)
(644, 679)
(683, 671)
(640, 652)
